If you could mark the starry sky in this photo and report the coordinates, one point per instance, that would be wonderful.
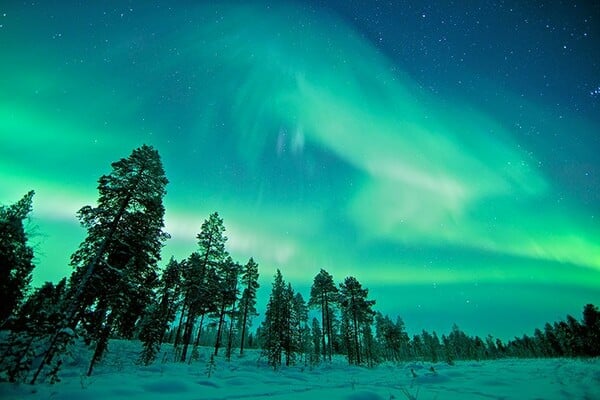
(447, 155)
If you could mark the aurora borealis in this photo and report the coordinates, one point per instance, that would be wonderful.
(447, 156)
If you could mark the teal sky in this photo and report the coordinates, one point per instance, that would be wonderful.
(445, 156)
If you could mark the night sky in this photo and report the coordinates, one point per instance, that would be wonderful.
(447, 155)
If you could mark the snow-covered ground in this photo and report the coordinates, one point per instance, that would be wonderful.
(249, 378)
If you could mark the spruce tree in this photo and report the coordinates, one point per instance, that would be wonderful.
(248, 300)
(16, 256)
(274, 327)
(118, 258)
(371, 354)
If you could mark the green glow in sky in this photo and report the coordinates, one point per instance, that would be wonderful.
(315, 146)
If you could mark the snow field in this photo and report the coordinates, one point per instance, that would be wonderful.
(118, 377)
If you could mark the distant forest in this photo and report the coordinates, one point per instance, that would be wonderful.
(117, 290)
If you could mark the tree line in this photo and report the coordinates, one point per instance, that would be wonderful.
(117, 290)
(349, 326)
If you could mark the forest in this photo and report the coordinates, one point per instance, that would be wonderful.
(118, 290)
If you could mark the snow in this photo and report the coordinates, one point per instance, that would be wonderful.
(118, 377)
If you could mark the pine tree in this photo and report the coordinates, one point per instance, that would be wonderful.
(336, 339)
(478, 347)
(346, 333)
(542, 348)
(371, 355)
(200, 285)
(323, 295)
(16, 257)
(431, 345)
(391, 337)
(401, 335)
(118, 258)
(357, 313)
(564, 336)
(449, 354)
(300, 341)
(201, 277)
(229, 272)
(248, 300)
(553, 347)
(288, 334)
(491, 350)
(459, 344)
(232, 334)
(416, 345)
(577, 333)
(161, 313)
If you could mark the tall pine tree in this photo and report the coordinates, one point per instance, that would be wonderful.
(118, 258)
(248, 300)
(323, 295)
(201, 277)
(274, 327)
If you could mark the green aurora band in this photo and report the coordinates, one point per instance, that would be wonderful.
(314, 147)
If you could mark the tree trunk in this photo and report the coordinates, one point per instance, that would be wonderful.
(197, 341)
(178, 334)
(187, 335)
(324, 325)
(244, 321)
(102, 342)
(165, 308)
(288, 338)
(355, 323)
(231, 318)
(230, 336)
(220, 327)
(329, 330)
